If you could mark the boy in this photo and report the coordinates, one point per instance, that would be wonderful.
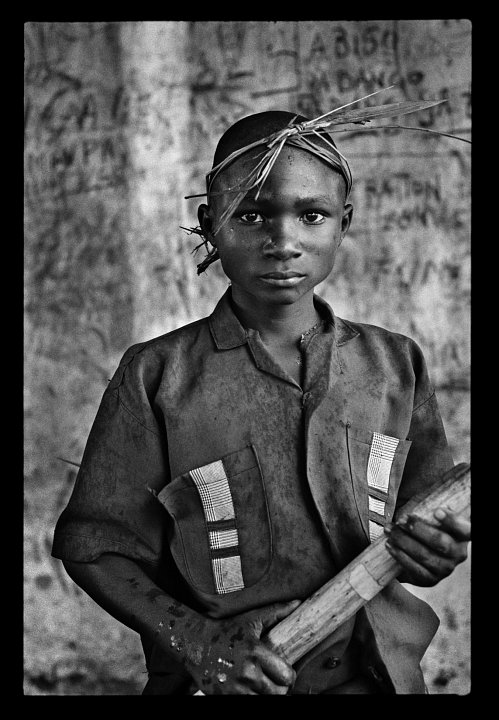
(238, 463)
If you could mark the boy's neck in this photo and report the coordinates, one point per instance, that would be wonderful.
(286, 322)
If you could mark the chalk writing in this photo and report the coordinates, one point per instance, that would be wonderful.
(278, 66)
(231, 37)
(101, 115)
(76, 165)
(364, 80)
(401, 200)
(69, 110)
(205, 77)
(455, 102)
(417, 272)
(364, 43)
(83, 110)
(444, 216)
(382, 264)
(401, 185)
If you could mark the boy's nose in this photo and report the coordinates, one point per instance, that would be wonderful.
(282, 242)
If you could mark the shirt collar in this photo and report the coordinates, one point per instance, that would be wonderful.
(225, 328)
(228, 333)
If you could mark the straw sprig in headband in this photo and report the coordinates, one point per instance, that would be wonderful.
(297, 134)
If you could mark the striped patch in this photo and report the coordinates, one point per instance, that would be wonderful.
(214, 491)
(377, 506)
(213, 487)
(375, 530)
(223, 539)
(228, 574)
(380, 461)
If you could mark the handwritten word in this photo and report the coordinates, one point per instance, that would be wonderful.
(76, 166)
(401, 186)
(364, 43)
(449, 218)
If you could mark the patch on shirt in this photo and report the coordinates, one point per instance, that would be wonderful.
(214, 491)
(376, 505)
(375, 530)
(380, 461)
(379, 465)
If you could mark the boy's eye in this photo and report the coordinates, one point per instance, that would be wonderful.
(250, 218)
(312, 217)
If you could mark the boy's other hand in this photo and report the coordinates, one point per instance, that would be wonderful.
(231, 659)
(428, 553)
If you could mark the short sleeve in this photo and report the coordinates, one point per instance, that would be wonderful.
(112, 508)
(429, 455)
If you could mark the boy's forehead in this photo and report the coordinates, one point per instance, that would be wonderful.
(296, 174)
(295, 170)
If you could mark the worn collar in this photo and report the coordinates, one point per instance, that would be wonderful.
(228, 332)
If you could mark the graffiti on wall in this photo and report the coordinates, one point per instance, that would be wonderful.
(85, 110)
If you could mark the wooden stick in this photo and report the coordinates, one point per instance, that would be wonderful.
(341, 597)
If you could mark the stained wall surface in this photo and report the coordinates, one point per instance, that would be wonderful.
(121, 120)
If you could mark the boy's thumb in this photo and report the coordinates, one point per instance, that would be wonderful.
(277, 612)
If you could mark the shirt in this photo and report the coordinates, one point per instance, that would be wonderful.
(241, 488)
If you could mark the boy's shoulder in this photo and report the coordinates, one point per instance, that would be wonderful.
(378, 336)
(147, 359)
(181, 334)
(369, 329)
(347, 330)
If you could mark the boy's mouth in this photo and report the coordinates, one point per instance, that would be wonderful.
(283, 279)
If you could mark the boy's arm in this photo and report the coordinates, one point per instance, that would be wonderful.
(427, 554)
(222, 656)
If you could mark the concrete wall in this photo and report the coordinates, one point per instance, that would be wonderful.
(121, 121)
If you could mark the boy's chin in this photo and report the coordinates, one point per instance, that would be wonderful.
(285, 296)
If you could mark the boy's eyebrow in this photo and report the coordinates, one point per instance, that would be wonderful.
(314, 199)
(299, 201)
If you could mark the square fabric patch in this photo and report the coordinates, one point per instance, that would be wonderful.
(375, 530)
(228, 574)
(377, 506)
(223, 539)
(380, 461)
(214, 491)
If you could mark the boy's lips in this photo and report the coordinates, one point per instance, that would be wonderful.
(287, 278)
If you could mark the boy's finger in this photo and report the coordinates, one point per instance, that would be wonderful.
(265, 686)
(415, 569)
(272, 614)
(428, 545)
(457, 525)
(275, 667)
(436, 538)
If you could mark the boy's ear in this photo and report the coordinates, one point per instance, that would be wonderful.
(206, 222)
(346, 219)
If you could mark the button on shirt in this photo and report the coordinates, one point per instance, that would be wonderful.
(241, 488)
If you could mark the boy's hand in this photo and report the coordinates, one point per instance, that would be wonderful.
(230, 659)
(428, 553)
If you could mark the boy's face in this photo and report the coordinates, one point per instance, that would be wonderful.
(278, 248)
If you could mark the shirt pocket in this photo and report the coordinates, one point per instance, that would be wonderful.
(221, 533)
(377, 463)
